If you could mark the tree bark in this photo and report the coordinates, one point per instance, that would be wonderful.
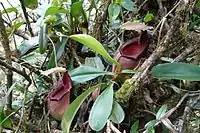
(5, 42)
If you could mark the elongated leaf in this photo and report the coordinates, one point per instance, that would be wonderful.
(95, 62)
(114, 11)
(149, 16)
(101, 109)
(161, 112)
(52, 61)
(150, 124)
(95, 45)
(117, 114)
(43, 38)
(9, 10)
(134, 127)
(4, 123)
(73, 108)
(129, 71)
(181, 71)
(27, 46)
(86, 73)
(60, 48)
(17, 25)
(55, 10)
(77, 9)
(59, 51)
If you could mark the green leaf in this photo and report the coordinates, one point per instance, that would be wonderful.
(148, 17)
(9, 10)
(150, 124)
(4, 123)
(129, 71)
(114, 11)
(161, 112)
(52, 62)
(134, 127)
(55, 10)
(198, 3)
(129, 5)
(101, 109)
(86, 73)
(28, 46)
(70, 112)
(117, 114)
(95, 45)
(17, 25)
(60, 47)
(32, 4)
(43, 38)
(59, 50)
(150, 130)
(95, 62)
(77, 9)
(181, 71)
(118, 1)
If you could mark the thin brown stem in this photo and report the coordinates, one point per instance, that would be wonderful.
(26, 17)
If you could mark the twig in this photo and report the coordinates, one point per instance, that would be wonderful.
(192, 39)
(108, 130)
(26, 17)
(15, 70)
(13, 113)
(160, 31)
(140, 7)
(31, 68)
(113, 128)
(10, 22)
(75, 56)
(23, 107)
(186, 114)
(165, 119)
(171, 111)
(166, 16)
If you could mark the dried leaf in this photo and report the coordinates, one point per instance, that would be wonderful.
(53, 70)
(137, 26)
(168, 124)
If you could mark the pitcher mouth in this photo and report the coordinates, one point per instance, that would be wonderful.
(63, 87)
(133, 49)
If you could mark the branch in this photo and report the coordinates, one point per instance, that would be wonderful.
(15, 70)
(26, 18)
(6, 47)
(30, 67)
